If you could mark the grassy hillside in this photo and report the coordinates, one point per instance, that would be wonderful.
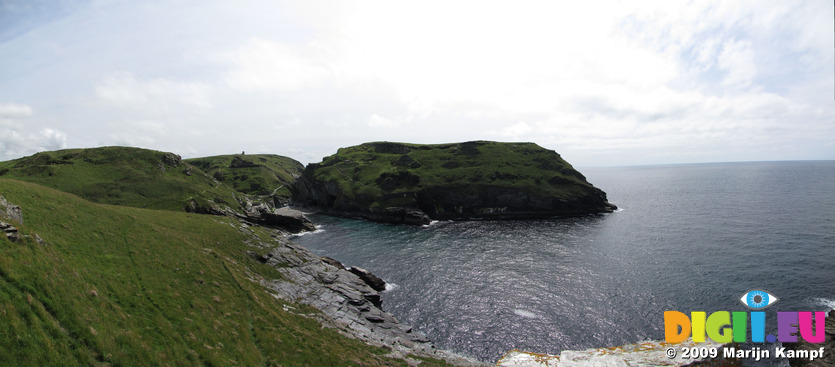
(477, 174)
(115, 285)
(253, 174)
(123, 176)
(399, 167)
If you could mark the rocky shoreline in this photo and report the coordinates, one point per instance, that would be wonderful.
(643, 354)
(349, 299)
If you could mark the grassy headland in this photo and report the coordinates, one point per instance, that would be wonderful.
(447, 181)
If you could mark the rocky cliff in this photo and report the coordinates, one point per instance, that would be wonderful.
(410, 183)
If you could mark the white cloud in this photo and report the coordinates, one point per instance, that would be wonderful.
(123, 90)
(263, 65)
(21, 136)
(516, 130)
(738, 61)
(138, 133)
(14, 110)
(378, 121)
(53, 139)
(595, 81)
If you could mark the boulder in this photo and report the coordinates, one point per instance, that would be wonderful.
(332, 261)
(285, 218)
(10, 211)
(10, 231)
(372, 280)
(171, 159)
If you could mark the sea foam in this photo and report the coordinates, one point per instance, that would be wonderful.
(525, 313)
(828, 303)
(318, 230)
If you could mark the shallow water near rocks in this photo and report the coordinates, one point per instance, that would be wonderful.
(687, 238)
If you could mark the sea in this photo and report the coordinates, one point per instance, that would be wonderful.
(693, 237)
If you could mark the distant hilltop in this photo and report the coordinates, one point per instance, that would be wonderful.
(412, 183)
(249, 187)
(379, 181)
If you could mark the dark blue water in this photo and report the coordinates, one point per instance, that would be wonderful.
(688, 238)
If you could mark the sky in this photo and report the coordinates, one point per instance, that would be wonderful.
(604, 83)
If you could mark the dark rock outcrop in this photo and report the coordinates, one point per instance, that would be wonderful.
(11, 212)
(392, 215)
(289, 219)
(496, 202)
(333, 262)
(372, 280)
(266, 214)
(238, 162)
(10, 231)
(172, 159)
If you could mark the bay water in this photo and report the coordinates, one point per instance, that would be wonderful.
(690, 237)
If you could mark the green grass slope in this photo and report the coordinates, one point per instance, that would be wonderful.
(253, 174)
(123, 176)
(116, 285)
(469, 179)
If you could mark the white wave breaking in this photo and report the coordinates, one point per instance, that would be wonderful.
(525, 313)
(828, 303)
(318, 230)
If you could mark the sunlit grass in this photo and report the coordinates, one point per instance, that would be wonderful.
(370, 174)
(253, 174)
(123, 176)
(128, 286)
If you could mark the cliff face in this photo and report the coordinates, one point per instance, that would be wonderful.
(408, 183)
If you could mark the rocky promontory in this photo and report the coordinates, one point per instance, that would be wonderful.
(412, 183)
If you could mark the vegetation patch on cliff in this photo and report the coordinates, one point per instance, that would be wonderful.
(253, 174)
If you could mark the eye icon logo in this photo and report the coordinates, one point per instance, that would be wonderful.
(757, 299)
